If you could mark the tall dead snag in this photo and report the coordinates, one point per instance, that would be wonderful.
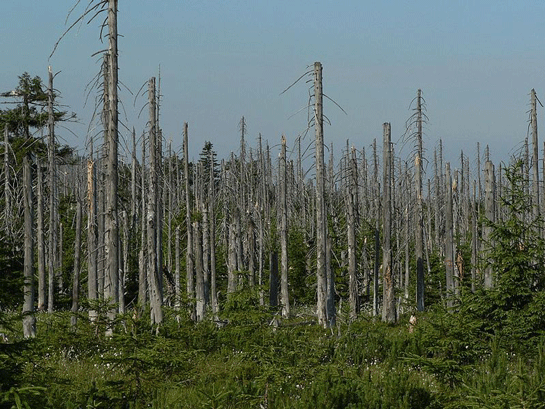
(77, 254)
(535, 153)
(419, 251)
(284, 295)
(40, 239)
(490, 215)
(92, 266)
(321, 217)
(189, 253)
(377, 214)
(29, 320)
(388, 305)
(52, 198)
(152, 216)
(449, 239)
(212, 234)
(352, 196)
(142, 262)
(111, 243)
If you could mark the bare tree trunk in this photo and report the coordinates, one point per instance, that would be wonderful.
(152, 219)
(352, 205)
(212, 236)
(40, 238)
(321, 217)
(189, 254)
(142, 269)
(388, 305)
(111, 221)
(52, 199)
(92, 267)
(284, 294)
(419, 253)
(29, 320)
(177, 292)
(535, 154)
(77, 252)
(490, 214)
(199, 273)
(377, 211)
(449, 240)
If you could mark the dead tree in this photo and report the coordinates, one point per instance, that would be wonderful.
(52, 199)
(490, 215)
(111, 245)
(29, 320)
(152, 216)
(388, 305)
(352, 205)
(321, 217)
(284, 294)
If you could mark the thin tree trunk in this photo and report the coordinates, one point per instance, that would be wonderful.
(490, 214)
(153, 266)
(388, 305)
(352, 195)
(284, 294)
(77, 252)
(29, 320)
(419, 253)
(321, 217)
(40, 238)
(189, 254)
(92, 267)
(111, 221)
(449, 240)
(52, 199)
(535, 154)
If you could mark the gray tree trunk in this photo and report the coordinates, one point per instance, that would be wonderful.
(111, 291)
(321, 217)
(29, 320)
(190, 283)
(352, 195)
(490, 214)
(52, 199)
(449, 239)
(152, 218)
(284, 294)
(388, 285)
(77, 253)
(535, 154)
(40, 238)
(419, 251)
(142, 269)
(92, 266)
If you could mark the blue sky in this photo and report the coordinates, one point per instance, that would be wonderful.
(476, 62)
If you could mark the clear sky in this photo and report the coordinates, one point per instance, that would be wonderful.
(476, 62)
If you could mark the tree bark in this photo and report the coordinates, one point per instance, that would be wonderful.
(388, 305)
(29, 320)
(40, 238)
(352, 195)
(490, 214)
(111, 291)
(284, 294)
(321, 217)
(77, 252)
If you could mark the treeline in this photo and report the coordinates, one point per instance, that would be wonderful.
(377, 237)
(374, 237)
